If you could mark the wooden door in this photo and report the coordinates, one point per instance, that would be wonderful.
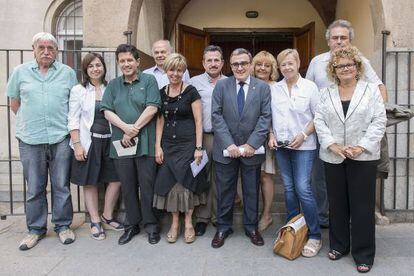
(304, 43)
(190, 42)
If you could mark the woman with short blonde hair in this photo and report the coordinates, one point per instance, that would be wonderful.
(293, 138)
(179, 140)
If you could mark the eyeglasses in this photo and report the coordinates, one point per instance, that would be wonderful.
(283, 144)
(341, 37)
(236, 65)
(265, 65)
(343, 66)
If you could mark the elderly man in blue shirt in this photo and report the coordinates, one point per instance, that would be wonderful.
(39, 95)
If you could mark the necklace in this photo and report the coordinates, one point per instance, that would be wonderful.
(171, 116)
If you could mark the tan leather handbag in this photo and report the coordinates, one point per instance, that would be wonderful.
(291, 238)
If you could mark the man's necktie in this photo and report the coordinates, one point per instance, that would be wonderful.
(240, 98)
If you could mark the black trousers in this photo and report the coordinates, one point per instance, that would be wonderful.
(137, 176)
(351, 195)
(226, 184)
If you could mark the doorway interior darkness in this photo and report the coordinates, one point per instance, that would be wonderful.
(254, 41)
(191, 43)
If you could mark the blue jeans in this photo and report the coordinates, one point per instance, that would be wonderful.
(295, 168)
(38, 161)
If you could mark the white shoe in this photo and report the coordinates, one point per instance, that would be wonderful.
(67, 236)
(311, 248)
(30, 241)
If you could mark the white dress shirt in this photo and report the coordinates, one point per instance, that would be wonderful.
(291, 114)
(161, 76)
(82, 112)
(317, 71)
(204, 85)
(245, 87)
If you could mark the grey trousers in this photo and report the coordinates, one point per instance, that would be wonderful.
(207, 213)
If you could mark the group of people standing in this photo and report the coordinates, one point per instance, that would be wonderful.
(243, 124)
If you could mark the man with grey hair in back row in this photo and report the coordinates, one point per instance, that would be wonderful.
(161, 49)
(338, 35)
(39, 96)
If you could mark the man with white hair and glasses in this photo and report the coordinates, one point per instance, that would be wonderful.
(338, 35)
(39, 96)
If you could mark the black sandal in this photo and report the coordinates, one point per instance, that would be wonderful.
(120, 226)
(363, 268)
(334, 255)
(101, 233)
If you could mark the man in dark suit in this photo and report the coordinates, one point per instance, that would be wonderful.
(240, 117)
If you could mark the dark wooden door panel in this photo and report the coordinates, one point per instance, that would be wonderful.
(304, 42)
(190, 43)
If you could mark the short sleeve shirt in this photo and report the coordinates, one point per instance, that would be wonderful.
(205, 87)
(42, 117)
(128, 101)
(317, 71)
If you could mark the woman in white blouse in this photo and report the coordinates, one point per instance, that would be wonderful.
(293, 107)
(90, 139)
(350, 122)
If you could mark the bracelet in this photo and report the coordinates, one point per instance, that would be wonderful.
(304, 136)
(199, 148)
(76, 142)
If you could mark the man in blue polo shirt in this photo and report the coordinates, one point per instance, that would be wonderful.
(39, 96)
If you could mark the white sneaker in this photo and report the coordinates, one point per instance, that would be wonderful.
(311, 248)
(30, 241)
(67, 236)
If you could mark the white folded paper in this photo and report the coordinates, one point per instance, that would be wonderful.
(260, 150)
(196, 168)
(121, 151)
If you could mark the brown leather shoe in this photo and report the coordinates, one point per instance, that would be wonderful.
(219, 238)
(255, 238)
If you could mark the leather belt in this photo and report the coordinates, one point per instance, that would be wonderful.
(101, 136)
(211, 132)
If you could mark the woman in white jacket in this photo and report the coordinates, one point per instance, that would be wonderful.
(90, 139)
(350, 122)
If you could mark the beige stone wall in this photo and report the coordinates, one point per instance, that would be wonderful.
(358, 12)
(272, 14)
(150, 25)
(104, 23)
(399, 18)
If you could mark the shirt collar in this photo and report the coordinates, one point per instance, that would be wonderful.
(299, 83)
(156, 69)
(35, 65)
(210, 79)
(137, 80)
(91, 88)
(247, 81)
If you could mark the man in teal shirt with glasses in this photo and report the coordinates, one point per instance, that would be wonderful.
(39, 96)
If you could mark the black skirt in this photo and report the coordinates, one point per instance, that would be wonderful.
(98, 167)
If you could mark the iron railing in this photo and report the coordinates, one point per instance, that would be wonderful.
(9, 59)
(397, 191)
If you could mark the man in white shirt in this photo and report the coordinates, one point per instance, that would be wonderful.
(161, 49)
(213, 63)
(338, 35)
